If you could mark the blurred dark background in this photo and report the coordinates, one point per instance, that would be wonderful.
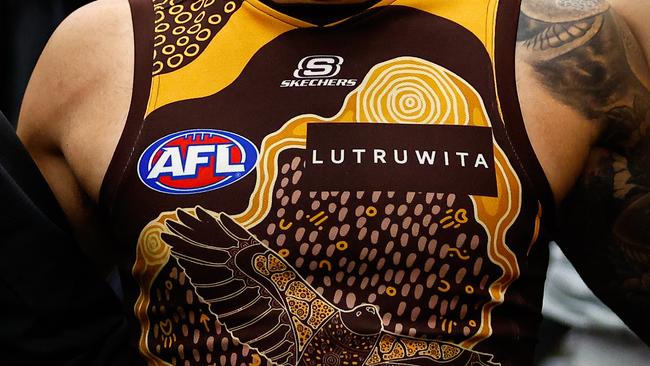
(25, 25)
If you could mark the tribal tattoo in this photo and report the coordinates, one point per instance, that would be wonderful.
(589, 60)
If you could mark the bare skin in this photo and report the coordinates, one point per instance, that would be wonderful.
(585, 103)
(80, 91)
(630, 10)
(583, 55)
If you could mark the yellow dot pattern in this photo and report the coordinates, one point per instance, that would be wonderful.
(275, 263)
(397, 353)
(303, 332)
(434, 351)
(260, 265)
(184, 28)
(282, 279)
(391, 349)
(374, 358)
(299, 308)
(299, 290)
(413, 346)
(319, 313)
(449, 352)
(386, 343)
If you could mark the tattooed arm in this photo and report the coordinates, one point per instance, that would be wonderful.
(587, 59)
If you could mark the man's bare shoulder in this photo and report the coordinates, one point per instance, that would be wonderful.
(89, 54)
(74, 109)
(584, 54)
(567, 24)
(80, 91)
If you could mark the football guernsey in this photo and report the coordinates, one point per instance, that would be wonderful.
(351, 190)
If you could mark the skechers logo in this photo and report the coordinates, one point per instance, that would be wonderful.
(318, 70)
(196, 161)
(312, 67)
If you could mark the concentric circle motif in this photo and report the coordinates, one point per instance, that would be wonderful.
(154, 250)
(412, 91)
(180, 23)
(331, 359)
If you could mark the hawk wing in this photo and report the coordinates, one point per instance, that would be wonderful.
(394, 349)
(251, 289)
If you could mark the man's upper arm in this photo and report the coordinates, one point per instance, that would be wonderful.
(70, 91)
(56, 308)
(586, 56)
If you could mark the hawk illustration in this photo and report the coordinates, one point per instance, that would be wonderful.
(264, 303)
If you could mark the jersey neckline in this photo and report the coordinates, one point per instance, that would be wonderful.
(295, 22)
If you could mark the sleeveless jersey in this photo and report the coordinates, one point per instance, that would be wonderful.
(361, 192)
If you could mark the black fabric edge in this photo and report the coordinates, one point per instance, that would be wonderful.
(142, 17)
(505, 48)
(22, 170)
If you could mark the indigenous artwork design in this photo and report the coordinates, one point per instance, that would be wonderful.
(335, 278)
(183, 30)
(267, 306)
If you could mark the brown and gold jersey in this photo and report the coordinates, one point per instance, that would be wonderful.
(359, 192)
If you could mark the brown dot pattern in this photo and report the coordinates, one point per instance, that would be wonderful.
(320, 312)
(299, 307)
(389, 249)
(302, 331)
(420, 257)
(184, 28)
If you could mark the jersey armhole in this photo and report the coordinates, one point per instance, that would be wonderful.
(142, 17)
(505, 48)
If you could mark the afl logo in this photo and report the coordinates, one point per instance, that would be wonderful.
(196, 161)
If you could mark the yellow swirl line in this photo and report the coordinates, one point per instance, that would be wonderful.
(325, 263)
(145, 272)
(538, 221)
(446, 286)
(458, 253)
(508, 205)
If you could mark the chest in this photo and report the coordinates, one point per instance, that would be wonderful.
(382, 161)
(559, 136)
(314, 71)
